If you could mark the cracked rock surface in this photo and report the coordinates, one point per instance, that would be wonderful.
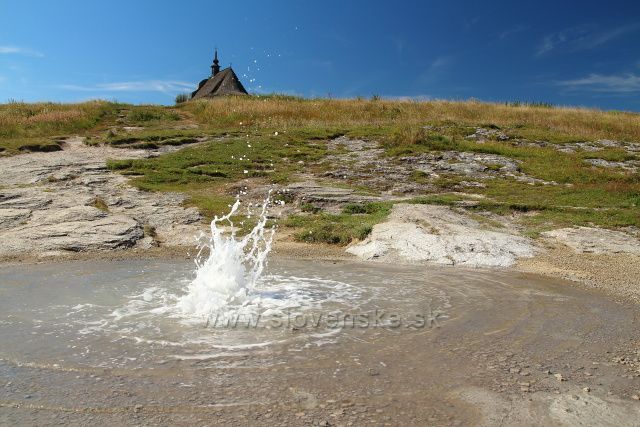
(70, 201)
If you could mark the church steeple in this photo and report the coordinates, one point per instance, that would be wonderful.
(215, 68)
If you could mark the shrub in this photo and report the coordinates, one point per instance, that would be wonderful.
(182, 97)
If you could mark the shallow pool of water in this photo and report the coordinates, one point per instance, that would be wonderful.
(87, 341)
(126, 314)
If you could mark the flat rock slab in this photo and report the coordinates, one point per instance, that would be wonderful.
(327, 196)
(596, 240)
(417, 234)
(48, 205)
(77, 229)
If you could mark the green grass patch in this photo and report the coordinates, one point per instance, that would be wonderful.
(225, 160)
(214, 164)
(151, 113)
(157, 137)
(438, 199)
(11, 146)
(101, 204)
(354, 223)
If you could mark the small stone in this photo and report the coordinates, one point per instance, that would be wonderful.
(635, 397)
(586, 389)
(514, 370)
(559, 377)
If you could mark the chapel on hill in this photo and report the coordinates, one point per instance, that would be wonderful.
(221, 82)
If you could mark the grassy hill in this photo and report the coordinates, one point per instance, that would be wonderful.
(573, 176)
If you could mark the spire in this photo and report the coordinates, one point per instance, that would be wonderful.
(215, 68)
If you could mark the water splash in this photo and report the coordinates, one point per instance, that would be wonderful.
(232, 267)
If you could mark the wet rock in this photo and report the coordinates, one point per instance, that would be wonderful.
(437, 234)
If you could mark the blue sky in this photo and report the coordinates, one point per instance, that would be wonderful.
(570, 52)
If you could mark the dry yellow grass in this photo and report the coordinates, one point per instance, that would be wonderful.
(18, 119)
(286, 113)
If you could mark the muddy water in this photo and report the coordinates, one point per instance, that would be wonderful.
(320, 343)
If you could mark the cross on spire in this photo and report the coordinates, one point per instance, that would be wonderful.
(215, 68)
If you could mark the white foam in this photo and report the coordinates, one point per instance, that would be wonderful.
(232, 268)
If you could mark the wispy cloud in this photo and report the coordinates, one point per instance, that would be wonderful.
(613, 83)
(582, 38)
(16, 50)
(513, 30)
(435, 69)
(166, 86)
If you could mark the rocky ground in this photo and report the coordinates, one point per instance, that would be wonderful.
(601, 259)
(68, 204)
(552, 354)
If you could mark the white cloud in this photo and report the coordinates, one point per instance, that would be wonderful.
(15, 50)
(435, 69)
(621, 83)
(582, 38)
(132, 86)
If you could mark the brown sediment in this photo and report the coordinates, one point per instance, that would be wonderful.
(616, 274)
